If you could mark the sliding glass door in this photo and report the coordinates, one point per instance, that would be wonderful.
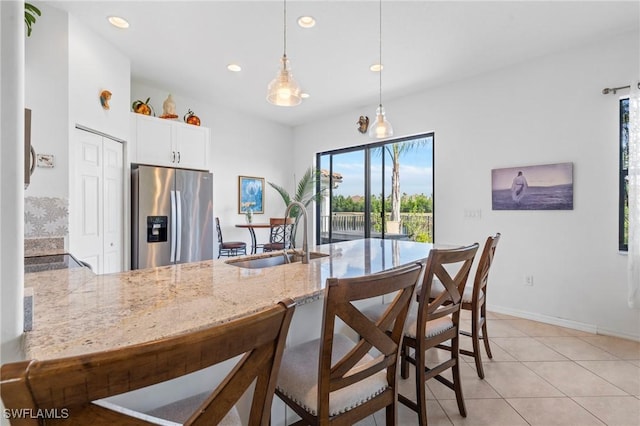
(341, 209)
(382, 190)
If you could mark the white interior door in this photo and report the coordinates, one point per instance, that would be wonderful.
(113, 205)
(96, 231)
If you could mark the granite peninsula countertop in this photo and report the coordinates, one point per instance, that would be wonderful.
(76, 311)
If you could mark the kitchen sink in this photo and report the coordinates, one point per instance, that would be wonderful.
(272, 259)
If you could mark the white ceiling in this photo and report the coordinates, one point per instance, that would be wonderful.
(185, 46)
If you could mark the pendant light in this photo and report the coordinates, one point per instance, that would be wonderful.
(381, 128)
(284, 90)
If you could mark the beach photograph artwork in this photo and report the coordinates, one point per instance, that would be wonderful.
(544, 187)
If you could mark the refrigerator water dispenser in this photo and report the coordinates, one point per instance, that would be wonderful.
(157, 229)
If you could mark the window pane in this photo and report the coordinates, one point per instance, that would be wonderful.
(409, 189)
(624, 134)
(623, 227)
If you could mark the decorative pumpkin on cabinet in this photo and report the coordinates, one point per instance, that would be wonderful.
(142, 107)
(191, 118)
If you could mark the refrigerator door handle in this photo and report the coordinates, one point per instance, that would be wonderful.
(179, 219)
(173, 227)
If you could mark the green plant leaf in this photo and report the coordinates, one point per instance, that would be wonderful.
(305, 188)
(283, 193)
(29, 16)
(32, 9)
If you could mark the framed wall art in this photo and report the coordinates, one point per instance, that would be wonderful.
(250, 194)
(544, 187)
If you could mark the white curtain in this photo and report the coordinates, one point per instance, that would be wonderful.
(634, 197)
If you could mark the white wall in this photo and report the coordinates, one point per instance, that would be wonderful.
(240, 146)
(47, 94)
(550, 110)
(95, 65)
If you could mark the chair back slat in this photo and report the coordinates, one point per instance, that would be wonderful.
(74, 382)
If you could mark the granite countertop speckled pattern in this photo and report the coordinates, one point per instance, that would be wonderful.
(76, 311)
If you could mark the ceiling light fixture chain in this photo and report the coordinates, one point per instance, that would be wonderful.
(284, 90)
(380, 51)
(284, 19)
(381, 128)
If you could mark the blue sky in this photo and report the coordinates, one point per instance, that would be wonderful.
(416, 172)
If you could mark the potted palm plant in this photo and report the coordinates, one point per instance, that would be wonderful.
(306, 192)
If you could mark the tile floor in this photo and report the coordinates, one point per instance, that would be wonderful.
(540, 375)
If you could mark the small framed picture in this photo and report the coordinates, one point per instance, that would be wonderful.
(250, 194)
(45, 160)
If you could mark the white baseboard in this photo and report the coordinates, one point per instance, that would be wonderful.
(574, 325)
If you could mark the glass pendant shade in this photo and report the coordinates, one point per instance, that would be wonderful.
(381, 128)
(284, 90)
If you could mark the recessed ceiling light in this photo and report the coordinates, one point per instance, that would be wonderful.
(376, 67)
(234, 67)
(306, 21)
(304, 95)
(118, 22)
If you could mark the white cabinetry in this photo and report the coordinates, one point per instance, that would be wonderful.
(169, 143)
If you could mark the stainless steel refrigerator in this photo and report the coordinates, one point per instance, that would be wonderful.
(171, 216)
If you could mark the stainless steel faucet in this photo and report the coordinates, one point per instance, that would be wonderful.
(305, 247)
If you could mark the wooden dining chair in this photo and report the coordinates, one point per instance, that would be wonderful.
(70, 385)
(437, 321)
(229, 248)
(280, 234)
(335, 380)
(475, 300)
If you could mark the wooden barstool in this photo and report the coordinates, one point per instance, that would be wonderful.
(72, 383)
(336, 380)
(433, 321)
(475, 300)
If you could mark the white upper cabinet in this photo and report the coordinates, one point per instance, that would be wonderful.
(161, 142)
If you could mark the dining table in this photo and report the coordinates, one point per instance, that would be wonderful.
(252, 232)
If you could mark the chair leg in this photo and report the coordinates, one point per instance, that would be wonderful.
(391, 414)
(457, 382)
(404, 364)
(475, 338)
(485, 335)
(421, 396)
